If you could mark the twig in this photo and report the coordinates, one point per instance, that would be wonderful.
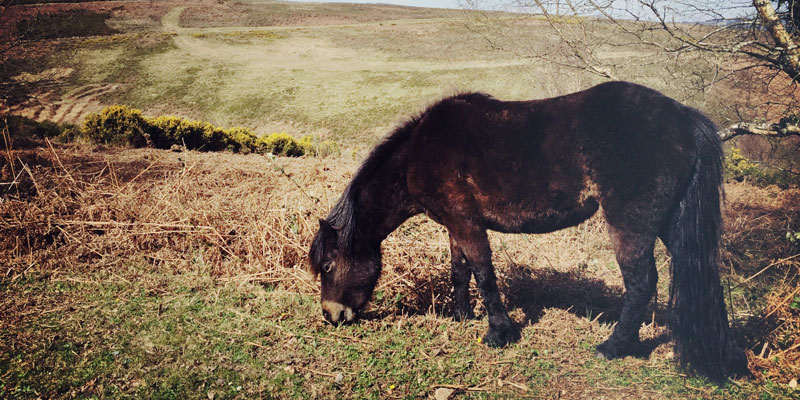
(139, 174)
(55, 155)
(313, 288)
(763, 349)
(796, 345)
(170, 191)
(252, 277)
(9, 157)
(14, 182)
(784, 301)
(482, 387)
(694, 388)
(28, 170)
(517, 385)
(280, 169)
(781, 261)
(601, 314)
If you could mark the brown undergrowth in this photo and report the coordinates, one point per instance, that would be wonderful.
(71, 208)
(763, 275)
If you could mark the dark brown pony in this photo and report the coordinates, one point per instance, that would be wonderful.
(472, 163)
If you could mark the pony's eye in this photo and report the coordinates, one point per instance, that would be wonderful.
(327, 268)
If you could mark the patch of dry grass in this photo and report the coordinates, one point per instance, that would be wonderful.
(91, 209)
(764, 276)
(69, 212)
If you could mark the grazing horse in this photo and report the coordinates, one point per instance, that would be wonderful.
(472, 163)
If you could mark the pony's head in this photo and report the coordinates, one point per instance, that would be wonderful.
(348, 275)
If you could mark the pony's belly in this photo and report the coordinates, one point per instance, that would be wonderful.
(539, 219)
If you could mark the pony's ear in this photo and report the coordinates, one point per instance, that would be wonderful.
(328, 233)
(323, 248)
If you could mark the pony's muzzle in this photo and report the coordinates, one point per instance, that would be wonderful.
(336, 313)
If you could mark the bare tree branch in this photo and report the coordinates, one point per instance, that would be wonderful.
(766, 130)
(689, 45)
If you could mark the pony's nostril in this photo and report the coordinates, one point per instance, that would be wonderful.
(341, 317)
(327, 315)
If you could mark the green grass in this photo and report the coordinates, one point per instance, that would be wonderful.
(117, 59)
(136, 332)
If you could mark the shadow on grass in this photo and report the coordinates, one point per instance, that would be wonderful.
(532, 291)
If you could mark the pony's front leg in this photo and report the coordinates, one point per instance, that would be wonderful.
(460, 274)
(473, 244)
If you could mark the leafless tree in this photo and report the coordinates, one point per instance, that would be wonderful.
(687, 47)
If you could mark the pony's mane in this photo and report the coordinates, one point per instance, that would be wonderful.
(343, 215)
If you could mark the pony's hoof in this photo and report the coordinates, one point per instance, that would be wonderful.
(607, 351)
(500, 337)
(618, 349)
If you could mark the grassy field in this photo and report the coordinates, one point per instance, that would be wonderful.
(345, 72)
(141, 273)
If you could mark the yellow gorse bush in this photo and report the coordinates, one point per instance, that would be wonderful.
(117, 125)
(284, 145)
(126, 126)
(738, 167)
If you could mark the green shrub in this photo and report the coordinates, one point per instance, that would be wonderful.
(117, 125)
(327, 148)
(157, 129)
(19, 126)
(69, 133)
(47, 129)
(740, 168)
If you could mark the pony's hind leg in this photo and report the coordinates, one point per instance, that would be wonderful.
(460, 276)
(635, 257)
(472, 244)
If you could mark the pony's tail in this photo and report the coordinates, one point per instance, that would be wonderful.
(699, 320)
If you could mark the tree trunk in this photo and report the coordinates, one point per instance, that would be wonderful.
(790, 55)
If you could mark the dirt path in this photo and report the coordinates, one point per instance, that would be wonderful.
(171, 22)
(304, 52)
